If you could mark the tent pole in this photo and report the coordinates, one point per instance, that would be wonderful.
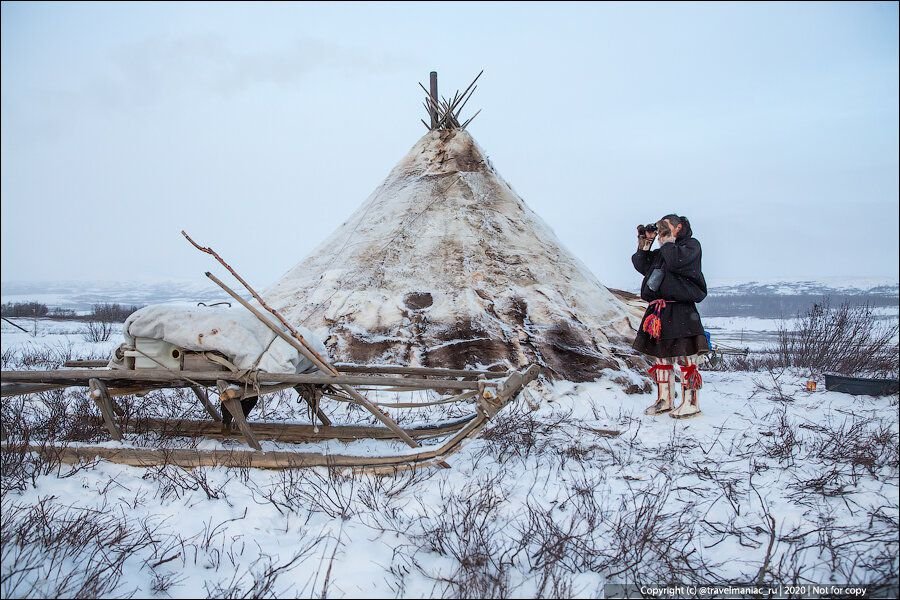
(434, 100)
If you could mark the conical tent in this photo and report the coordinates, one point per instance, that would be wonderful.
(446, 266)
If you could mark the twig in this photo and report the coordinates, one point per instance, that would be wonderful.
(326, 366)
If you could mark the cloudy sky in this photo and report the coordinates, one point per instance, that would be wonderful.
(259, 128)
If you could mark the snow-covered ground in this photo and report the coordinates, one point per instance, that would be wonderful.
(744, 332)
(772, 484)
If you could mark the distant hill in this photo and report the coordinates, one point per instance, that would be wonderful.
(765, 299)
(784, 298)
(848, 286)
(81, 295)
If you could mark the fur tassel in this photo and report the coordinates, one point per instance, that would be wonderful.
(691, 377)
(653, 324)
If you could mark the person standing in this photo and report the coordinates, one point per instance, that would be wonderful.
(671, 331)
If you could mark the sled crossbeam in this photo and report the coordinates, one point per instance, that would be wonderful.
(123, 377)
(353, 368)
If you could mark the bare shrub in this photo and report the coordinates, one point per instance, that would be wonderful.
(112, 313)
(39, 356)
(36, 435)
(174, 404)
(304, 491)
(178, 482)
(772, 386)
(749, 362)
(83, 423)
(162, 582)
(652, 540)
(101, 323)
(377, 492)
(866, 443)
(847, 339)
(50, 551)
(43, 356)
(8, 357)
(864, 555)
(470, 529)
(783, 443)
(97, 331)
(260, 578)
(24, 309)
(564, 539)
(518, 434)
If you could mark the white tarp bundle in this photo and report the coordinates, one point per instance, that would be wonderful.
(234, 332)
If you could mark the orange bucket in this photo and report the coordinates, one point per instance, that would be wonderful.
(811, 385)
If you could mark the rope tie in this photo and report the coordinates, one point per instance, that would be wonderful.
(248, 377)
(691, 377)
(653, 324)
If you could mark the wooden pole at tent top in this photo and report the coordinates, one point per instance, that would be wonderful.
(434, 100)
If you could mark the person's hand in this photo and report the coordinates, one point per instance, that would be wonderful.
(645, 238)
(668, 233)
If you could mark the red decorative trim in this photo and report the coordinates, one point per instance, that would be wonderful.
(657, 370)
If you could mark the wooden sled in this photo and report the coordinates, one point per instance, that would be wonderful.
(490, 391)
(488, 395)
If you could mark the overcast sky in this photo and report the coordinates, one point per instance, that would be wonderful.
(259, 128)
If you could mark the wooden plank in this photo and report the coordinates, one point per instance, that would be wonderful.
(85, 364)
(79, 377)
(204, 399)
(131, 390)
(458, 398)
(422, 371)
(351, 368)
(100, 395)
(233, 405)
(8, 390)
(296, 432)
(189, 458)
(263, 460)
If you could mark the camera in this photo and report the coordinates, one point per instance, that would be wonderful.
(651, 228)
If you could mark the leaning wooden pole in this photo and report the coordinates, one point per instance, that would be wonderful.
(14, 325)
(249, 288)
(301, 345)
(314, 358)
